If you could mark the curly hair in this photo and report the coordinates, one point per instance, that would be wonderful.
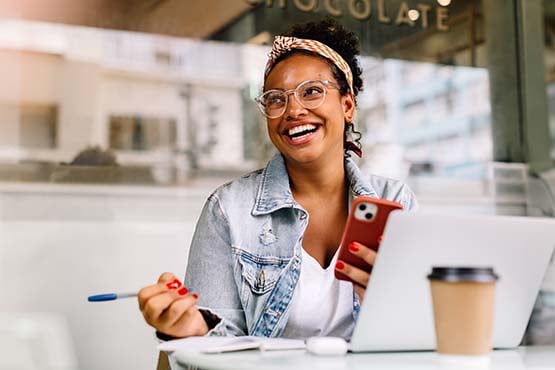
(337, 37)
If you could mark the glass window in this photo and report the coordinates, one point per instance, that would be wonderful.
(37, 127)
(139, 93)
(141, 133)
(549, 9)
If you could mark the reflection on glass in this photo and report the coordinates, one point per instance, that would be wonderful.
(171, 103)
(141, 133)
(549, 9)
(38, 126)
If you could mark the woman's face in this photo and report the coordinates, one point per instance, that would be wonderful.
(304, 135)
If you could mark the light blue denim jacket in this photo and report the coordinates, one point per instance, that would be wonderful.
(245, 256)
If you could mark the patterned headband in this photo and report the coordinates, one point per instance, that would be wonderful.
(284, 44)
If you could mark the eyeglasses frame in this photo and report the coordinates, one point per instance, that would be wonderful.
(327, 84)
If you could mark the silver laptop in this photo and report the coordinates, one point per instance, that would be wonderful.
(397, 313)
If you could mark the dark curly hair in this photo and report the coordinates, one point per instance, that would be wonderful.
(337, 37)
(344, 42)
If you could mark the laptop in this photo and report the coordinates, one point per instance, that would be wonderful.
(397, 313)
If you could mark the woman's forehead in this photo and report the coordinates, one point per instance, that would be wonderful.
(291, 71)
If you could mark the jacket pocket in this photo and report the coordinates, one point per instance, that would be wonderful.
(261, 272)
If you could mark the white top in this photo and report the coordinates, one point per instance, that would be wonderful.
(321, 305)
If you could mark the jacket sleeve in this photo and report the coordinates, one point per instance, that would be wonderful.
(395, 190)
(210, 272)
(407, 198)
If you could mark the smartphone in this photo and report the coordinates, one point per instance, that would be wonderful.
(365, 225)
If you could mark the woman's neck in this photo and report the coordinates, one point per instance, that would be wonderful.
(317, 180)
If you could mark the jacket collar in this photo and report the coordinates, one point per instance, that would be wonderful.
(274, 191)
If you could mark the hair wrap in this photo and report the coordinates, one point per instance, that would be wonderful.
(284, 44)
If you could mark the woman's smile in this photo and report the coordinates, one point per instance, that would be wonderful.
(301, 133)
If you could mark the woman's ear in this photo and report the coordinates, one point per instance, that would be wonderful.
(348, 102)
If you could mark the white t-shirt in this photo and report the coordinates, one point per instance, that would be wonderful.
(321, 305)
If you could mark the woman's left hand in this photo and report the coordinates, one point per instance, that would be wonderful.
(359, 277)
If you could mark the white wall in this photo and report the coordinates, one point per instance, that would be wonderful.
(60, 244)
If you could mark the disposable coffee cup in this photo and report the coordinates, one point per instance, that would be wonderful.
(463, 301)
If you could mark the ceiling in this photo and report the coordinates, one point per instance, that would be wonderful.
(184, 18)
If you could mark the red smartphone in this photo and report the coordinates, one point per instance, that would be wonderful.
(365, 225)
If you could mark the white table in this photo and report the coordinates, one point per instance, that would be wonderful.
(523, 358)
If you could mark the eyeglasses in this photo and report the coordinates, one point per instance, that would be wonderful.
(309, 94)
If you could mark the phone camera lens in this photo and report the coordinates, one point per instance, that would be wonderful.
(362, 207)
(368, 216)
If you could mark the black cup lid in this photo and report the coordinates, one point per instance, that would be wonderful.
(463, 273)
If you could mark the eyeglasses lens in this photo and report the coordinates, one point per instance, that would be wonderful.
(309, 94)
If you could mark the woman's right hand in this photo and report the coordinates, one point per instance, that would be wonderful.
(170, 309)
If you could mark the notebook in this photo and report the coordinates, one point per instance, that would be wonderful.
(397, 313)
(230, 344)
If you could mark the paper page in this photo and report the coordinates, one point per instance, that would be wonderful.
(279, 344)
(209, 344)
(229, 344)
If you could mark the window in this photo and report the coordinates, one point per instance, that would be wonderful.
(141, 133)
(37, 126)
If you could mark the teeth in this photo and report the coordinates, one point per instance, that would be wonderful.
(296, 130)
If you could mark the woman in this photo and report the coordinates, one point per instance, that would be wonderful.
(265, 247)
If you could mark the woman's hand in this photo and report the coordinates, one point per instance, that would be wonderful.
(170, 309)
(359, 277)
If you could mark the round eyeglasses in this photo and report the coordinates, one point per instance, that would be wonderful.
(309, 94)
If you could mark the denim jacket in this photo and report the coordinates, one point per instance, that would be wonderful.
(245, 256)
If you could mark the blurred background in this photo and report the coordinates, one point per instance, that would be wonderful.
(118, 118)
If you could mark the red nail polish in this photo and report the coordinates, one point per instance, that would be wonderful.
(339, 265)
(195, 295)
(380, 238)
(353, 247)
(174, 284)
(182, 291)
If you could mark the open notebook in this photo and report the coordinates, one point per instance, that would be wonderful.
(229, 344)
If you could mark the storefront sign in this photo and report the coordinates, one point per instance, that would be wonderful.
(362, 10)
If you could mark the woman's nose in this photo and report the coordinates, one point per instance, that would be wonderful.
(294, 108)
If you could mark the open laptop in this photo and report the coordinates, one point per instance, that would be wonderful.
(397, 313)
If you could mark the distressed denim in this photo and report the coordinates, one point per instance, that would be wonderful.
(245, 256)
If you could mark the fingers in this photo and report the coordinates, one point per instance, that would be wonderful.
(170, 308)
(363, 252)
(167, 281)
(166, 277)
(355, 274)
(159, 303)
(176, 311)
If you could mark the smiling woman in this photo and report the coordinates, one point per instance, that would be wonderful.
(273, 235)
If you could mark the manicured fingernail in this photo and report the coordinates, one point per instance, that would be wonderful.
(195, 295)
(339, 265)
(353, 247)
(380, 238)
(174, 284)
(182, 291)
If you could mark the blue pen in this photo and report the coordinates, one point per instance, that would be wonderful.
(110, 297)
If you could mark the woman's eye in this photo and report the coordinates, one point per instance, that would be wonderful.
(275, 99)
(312, 90)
